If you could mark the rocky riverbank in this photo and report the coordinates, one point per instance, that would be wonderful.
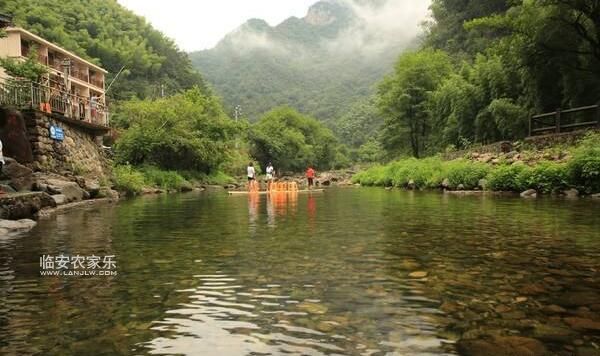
(27, 194)
(569, 171)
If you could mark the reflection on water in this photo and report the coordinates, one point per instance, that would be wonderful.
(345, 272)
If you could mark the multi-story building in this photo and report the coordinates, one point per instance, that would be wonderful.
(73, 86)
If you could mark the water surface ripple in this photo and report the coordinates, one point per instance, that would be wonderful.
(347, 272)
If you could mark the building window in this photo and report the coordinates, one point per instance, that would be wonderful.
(25, 48)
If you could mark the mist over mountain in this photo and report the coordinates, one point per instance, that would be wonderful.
(319, 64)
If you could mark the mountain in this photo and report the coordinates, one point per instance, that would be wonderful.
(319, 64)
(109, 35)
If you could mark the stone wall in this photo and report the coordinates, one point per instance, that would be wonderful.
(494, 148)
(530, 143)
(79, 152)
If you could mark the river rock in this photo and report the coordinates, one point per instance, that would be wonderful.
(24, 205)
(71, 190)
(530, 193)
(501, 345)
(586, 351)
(92, 187)
(554, 309)
(577, 299)
(595, 196)
(106, 192)
(571, 193)
(583, 324)
(22, 225)
(59, 199)
(460, 187)
(418, 274)
(21, 177)
(533, 289)
(502, 309)
(552, 333)
(411, 185)
(312, 308)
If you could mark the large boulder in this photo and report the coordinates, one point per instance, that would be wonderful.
(71, 190)
(20, 206)
(92, 187)
(106, 192)
(20, 177)
(59, 199)
(16, 226)
(571, 193)
(530, 193)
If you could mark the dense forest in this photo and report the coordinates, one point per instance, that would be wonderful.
(485, 67)
(109, 35)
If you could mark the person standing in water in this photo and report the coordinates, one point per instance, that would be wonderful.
(270, 175)
(251, 177)
(310, 176)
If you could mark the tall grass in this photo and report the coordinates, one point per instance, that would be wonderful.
(584, 167)
(582, 172)
(128, 180)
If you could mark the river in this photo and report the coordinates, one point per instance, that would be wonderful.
(344, 272)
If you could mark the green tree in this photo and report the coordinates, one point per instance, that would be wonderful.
(404, 96)
(30, 68)
(187, 131)
(292, 141)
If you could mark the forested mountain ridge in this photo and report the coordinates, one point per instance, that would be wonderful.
(319, 64)
(109, 35)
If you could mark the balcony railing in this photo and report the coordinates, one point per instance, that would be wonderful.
(30, 95)
(78, 73)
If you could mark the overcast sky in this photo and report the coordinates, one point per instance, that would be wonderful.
(200, 24)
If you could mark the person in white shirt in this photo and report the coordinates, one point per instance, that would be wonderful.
(270, 175)
(251, 177)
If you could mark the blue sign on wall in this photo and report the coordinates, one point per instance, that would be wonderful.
(57, 133)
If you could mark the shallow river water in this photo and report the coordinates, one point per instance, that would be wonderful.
(345, 272)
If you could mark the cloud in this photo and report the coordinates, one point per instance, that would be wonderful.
(244, 41)
(386, 24)
(380, 26)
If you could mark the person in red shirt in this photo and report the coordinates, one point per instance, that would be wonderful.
(310, 176)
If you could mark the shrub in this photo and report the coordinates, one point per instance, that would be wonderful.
(545, 177)
(424, 173)
(128, 180)
(372, 176)
(168, 180)
(584, 167)
(506, 178)
(466, 173)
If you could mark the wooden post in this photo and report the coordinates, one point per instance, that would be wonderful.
(530, 124)
(557, 120)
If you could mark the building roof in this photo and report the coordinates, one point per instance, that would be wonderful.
(55, 47)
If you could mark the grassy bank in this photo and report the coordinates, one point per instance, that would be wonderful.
(134, 180)
(581, 171)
